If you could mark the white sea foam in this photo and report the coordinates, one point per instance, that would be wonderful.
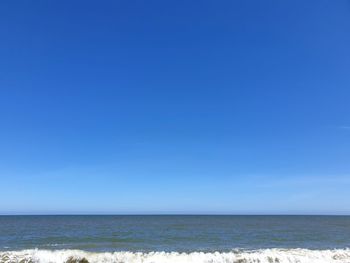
(252, 256)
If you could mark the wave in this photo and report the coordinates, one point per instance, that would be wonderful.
(238, 256)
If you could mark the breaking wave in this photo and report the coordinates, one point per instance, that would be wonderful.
(237, 256)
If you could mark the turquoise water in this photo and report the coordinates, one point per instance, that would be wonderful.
(31, 236)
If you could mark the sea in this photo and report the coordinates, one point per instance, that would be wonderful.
(174, 239)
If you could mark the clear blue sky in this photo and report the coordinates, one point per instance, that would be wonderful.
(175, 107)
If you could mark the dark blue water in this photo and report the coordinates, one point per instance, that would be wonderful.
(173, 233)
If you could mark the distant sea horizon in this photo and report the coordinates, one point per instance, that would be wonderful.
(174, 238)
(169, 214)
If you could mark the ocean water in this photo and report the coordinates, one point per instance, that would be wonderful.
(175, 239)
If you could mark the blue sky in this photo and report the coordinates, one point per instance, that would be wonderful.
(175, 107)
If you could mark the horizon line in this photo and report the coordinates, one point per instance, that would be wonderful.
(170, 214)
